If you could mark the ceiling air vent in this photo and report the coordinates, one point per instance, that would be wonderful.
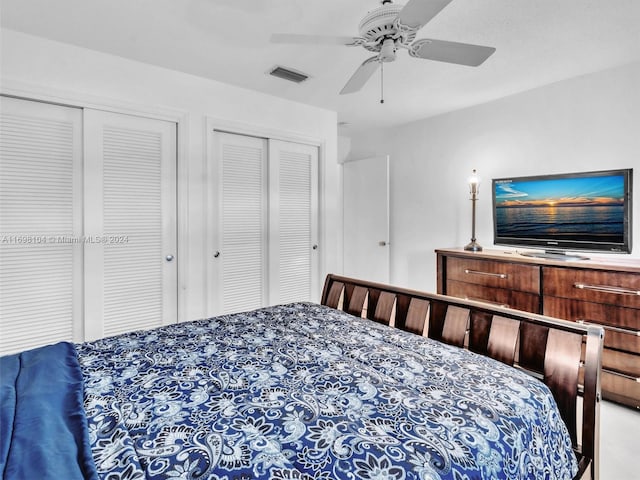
(288, 74)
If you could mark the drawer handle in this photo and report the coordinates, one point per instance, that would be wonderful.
(482, 300)
(607, 289)
(628, 331)
(623, 375)
(486, 274)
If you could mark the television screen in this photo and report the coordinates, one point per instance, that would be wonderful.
(577, 211)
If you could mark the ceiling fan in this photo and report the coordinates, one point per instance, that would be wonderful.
(390, 27)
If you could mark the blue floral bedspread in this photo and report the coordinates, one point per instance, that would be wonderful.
(302, 391)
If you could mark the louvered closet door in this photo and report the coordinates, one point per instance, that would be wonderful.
(293, 222)
(130, 205)
(240, 216)
(40, 224)
(264, 212)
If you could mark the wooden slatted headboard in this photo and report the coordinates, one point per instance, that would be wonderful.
(565, 355)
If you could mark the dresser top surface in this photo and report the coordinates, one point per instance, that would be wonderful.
(613, 262)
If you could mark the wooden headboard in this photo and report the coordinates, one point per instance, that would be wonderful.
(565, 355)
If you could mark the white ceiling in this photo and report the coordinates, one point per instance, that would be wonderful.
(538, 42)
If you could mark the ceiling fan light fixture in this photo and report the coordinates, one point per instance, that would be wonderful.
(379, 23)
(388, 51)
(290, 74)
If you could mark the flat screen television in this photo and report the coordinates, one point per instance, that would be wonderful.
(587, 211)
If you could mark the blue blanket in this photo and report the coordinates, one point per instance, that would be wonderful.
(43, 432)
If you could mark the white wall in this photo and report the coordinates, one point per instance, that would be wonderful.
(587, 123)
(36, 67)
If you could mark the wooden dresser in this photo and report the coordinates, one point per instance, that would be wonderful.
(600, 291)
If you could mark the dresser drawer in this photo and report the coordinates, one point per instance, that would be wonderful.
(528, 302)
(620, 389)
(614, 288)
(525, 278)
(621, 362)
(622, 325)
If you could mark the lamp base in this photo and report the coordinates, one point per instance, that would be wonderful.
(473, 246)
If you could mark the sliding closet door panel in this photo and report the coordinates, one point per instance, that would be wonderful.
(240, 211)
(40, 224)
(293, 221)
(130, 201)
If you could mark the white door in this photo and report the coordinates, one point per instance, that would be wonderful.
(239, 216)
(293, 222)
(366, 218)
(130, 223)
(40, 224)
(263, 228)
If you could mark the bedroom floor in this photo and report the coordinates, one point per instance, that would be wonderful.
(619, 448)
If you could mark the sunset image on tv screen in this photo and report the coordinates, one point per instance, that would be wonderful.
(575, 209)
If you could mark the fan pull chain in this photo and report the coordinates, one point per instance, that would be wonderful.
(381, 82)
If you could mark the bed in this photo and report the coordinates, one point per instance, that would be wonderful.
(376, 382)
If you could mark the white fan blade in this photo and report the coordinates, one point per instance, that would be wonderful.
(417, 13)
(361, 75)
(450, 52)
(312, 39)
